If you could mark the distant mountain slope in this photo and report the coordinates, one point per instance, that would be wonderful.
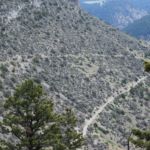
(118, 13)
(139, 28)
(80, 60)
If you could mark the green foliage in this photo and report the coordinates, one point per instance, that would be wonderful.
(140, 138)
(71, 138)
(31, 119)
(147, 65)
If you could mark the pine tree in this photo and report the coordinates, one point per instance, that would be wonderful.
(140, 138)
(33, 124)
(71, 138)
(147, 65)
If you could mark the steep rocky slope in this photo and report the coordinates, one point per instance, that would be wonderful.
(127, 111)
(79, 60)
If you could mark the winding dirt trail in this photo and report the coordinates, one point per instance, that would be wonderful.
(109, 100)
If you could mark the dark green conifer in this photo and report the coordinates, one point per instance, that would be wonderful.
(147, 65)
(140, 138)
(31, 121)
(72, 139)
